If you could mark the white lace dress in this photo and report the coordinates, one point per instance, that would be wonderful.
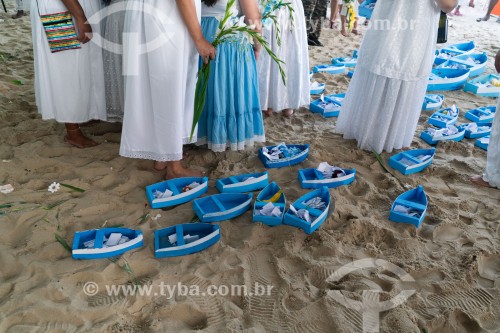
(69, 85)
(384, 99)
(294, 52)
(492, 173)
(161, 62)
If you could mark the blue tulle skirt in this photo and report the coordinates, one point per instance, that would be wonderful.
(232, 117)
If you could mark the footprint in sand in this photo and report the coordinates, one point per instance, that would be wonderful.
(447, 233)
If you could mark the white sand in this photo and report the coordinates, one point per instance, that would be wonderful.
(454, 257)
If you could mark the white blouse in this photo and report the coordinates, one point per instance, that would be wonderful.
(401, 40)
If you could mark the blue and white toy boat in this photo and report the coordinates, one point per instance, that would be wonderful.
(270, 206)
(105, 243)
(309, 211)
(483, 143)
(476, 63)
(184, 239)
(175, 192)
(329, 69)
(444, 118)
(326, 175)
(452, 133)
(432, 102)
(243, 183)
(283, 155)
(443, 56)
(221, 207)
(366, 8)
(482, 115)
(447, 79)
(327, 106)
(412, 161)
(486, 86)
(410, 207)
(476, 131)
(317, 88)
(347, 61)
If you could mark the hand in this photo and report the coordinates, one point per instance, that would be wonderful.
(206, 50)
(84, 30)
(497, 62)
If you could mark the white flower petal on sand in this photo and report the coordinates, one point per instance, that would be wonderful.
(54, 187)
(6, 189)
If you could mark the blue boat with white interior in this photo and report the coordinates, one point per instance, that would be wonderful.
(410, 207)
(176, 191)
(310, 211)
(412, 161)
(283, 155)
(243, 183)
(221, 207)
(270, 206)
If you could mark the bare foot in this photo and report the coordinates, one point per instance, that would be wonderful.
(344, 33)
(356, 32)
(268, 112)
(79, 140)
(19, 14)
(287, 113)
(160, 166)
(478, 180)
(176, 170)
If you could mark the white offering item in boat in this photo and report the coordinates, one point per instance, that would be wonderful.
(189, 239)
(89, 244)
(301, 213)
(163, 195)
(472, 127)
(194, 185)
(406, 161)
(270, 210)
(406, 210)
(424, 158)
(172, 238)
(329, 171)
(315, 203)
(124, 239)
(113, 239)
(450, 130)
(315, 85)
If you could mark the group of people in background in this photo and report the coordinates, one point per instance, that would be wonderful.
(155, 99)
(151, 87)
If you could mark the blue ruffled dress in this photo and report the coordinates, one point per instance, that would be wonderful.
(231, 117)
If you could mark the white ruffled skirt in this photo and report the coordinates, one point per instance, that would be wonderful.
(492, 173)
(379, 112)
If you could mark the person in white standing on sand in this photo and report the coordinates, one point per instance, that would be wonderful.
(69, 85)
(491, 176)
(384, 99)
(160, 80)
(274, 95)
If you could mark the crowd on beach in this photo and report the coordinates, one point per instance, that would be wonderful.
(148, 79)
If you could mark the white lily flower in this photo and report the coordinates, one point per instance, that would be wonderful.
(54, 187)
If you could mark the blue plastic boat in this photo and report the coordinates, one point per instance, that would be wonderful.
(366, 8)
(317, 90)
(313, 178)
(482, 115)
(434, 140)
(447, 79)
(444, 118)
(410, 207)
(443, 56)
(221, 207)
(243, 183)
(274, 195)
(482, 86)
(317, 215)
(327, 106)
(329, 69)
(475, 62)
(480, 131)
(350, 74)
(347, 61)
(175, 192)
(483, 143)
(432, 102)
(105, 243)
(412, 161)
(290, 155)
(184, 239)
(462, 48)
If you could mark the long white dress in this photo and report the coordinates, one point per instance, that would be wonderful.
(294, 52)
(69, 85)
(160, 67)
(492, 173)
(384, 99)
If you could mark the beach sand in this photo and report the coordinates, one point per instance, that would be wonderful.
(453, 259)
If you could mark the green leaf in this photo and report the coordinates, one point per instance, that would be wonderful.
(63, 242)
(55, 204)
(18, 82)
(74, 188)
(143, 218)
(116, 226)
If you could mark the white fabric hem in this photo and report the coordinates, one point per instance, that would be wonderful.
(145, 155)
(219, 148)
